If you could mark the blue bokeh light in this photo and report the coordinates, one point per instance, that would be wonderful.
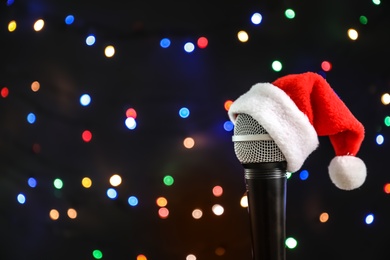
(256, 18)
(369, 219)
(303, 175)
(189, 47)
(85, 100)
(69, 19)
(165, 43)
(130, 123)
(228, 126)
(184, 112)
(32, 182)
(90, 40)
(31, 118)
(380, 139)
(21, 198)
(111, 193)
(133, 201)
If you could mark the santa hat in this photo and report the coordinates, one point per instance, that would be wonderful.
(295, 110)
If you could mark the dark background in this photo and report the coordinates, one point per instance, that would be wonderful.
(157, 82)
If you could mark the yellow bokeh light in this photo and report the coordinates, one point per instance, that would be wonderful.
(54, 214)
(385, 99)
(189, 142)
(12, 26)
(197, 213)
(244, 201)
(86, 182)
(115, 180)
(38, 25)
(242, 36)
(353, 34)
(141, 257)
(72, 213)
(161, 202)
(109, 51)
(324, 217)
(35, 86)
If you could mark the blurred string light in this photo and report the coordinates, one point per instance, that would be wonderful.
(189, 142)
(228, 126)
(4, 92)
(97, 254)
(202, 42)
(86, 136)
(31, 118)
(324, 217)
(353, 34)
(39, 24)
(217, 209)
(217, 191)
(165, 43)
(369, 219)
(387, 121)
(244, 201)
(363, 19)
(303, 175)
(131, 112)
(115, 180)
(86, 182)
(133, 201)
(72, 213)
(256, 18)
(21, 198)
(379, 139)
(242, 36)
(58, 184)
(141, 257)
(32, 182)
(289, 13)
(69, 19)
(326, 66)
(54, 214)
(189, 47)
(385, 99)
(386, 188)
(276, 66)
(12, 26)
(90, 40)
(163, 213)
(85, 100)
(291, 243)
(35, 86)
(130, 123)
(184, 112)
(112, 193)
(109, 51)
(168, 180)
(197, 213)
(161, 202)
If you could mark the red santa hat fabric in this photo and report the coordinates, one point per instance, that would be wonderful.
(295, 110)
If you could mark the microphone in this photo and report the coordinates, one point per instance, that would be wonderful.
(265, 178)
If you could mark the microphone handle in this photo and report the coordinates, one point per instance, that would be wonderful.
(266, 193)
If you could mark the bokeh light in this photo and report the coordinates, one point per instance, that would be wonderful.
(86, 136)
(141, 257)
(228, 126)
(217, 209)
(387, 121)
(385, 99)
(189, 142)
(97, 254)
(10, 2)
(363, 19)
(168, 180)
(326, 66)
(54, 214)
(202, 42)
(189, 47)
(32, 182)
(163, 213)
(256, 18)
(220, 251)
(131, 112)
(31, 118)
(217, 191)
(21, 198)
(90, 40)
(4, 92)
(379, 139)
(72, 213)
(369, 219)
(227, 104)
(244, 201)
(197, 213)
(86, 182)
(109, 51)
(288, 175)
(39, 24)
(112, 193)
(289, 13)
(303, 175)
(376, 2)
(242, 36)
(85, 100)
(291, 242)
(69, 19)
(386, 188)
(165, 43)
(324, 217)
(276, 66)
(115, 180)
(36, 148)
(191, 257)
(12, 26)
(184, 112)
(35, 86)
(130, 123)
(353, 34)
(161, 202)
(58, 184)
(133, 201)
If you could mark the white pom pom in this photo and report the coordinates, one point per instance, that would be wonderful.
(347, 172)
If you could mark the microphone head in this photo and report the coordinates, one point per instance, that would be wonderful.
(249, 147)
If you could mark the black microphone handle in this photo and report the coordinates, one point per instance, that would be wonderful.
(266, 192)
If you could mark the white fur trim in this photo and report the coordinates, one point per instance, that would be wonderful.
(285, 123)
(347, 172)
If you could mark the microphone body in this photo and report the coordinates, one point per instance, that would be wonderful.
(265, 179)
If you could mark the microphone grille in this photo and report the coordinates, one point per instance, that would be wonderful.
(254, 151)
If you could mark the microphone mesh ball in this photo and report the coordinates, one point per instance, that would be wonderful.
(254, 151)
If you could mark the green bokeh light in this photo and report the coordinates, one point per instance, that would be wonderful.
(387, 120)
(277, 65)
(168, 180)
(58, 184)
(291, 242)
(289, 13)
(363, 19)
(97, 254)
